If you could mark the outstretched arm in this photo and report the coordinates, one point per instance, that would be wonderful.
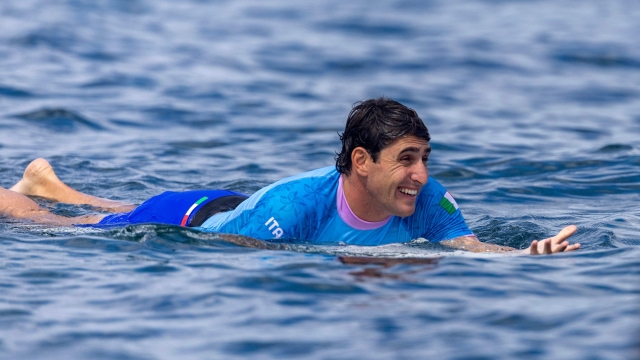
(550, 245)
(471, 243)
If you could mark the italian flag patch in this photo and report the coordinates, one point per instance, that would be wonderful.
(448, 203)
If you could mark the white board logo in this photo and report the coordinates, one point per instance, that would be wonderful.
(274, 228)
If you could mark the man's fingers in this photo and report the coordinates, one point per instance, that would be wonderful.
(547, 246)
(533, 249)
(572, 247)
(555, 244)
(561, 247)
(564, 234)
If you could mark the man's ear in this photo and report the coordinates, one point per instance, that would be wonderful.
(359, 159)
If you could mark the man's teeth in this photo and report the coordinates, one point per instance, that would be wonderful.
(409, 191)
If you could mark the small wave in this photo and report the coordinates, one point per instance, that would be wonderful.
(368, 29)
(269, 12)
(10, 91)
(142, 82)
(601, 95)
(506, 232)
(185, 92)
(612, 148)
(209, 144)
(173, 115)
(5, 313)
(597, 58)
(54, 37)
(59, 120)
(478, 63)
(457, 174)
(517, 167)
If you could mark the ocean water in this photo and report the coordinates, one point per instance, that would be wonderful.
(534, 111)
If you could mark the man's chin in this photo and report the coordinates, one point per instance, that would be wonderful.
(405, 212)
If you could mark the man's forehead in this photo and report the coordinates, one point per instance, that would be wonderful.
(411, 144)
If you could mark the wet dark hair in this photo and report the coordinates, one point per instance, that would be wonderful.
(374, 124)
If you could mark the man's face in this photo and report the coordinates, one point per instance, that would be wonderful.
(395, 180)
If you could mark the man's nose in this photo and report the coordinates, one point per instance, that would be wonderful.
(420, 173)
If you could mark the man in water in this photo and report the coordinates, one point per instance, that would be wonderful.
(378, 193)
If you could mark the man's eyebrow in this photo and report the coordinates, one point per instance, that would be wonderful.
(415, 149)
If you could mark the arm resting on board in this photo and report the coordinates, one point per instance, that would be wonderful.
(550, 245)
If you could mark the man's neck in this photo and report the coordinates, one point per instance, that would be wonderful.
(360, 201)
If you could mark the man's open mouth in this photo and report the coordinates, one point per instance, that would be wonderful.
(407, 191)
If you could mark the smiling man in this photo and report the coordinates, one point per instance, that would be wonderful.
(378, 193)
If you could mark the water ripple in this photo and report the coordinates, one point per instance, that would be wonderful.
(60, 120)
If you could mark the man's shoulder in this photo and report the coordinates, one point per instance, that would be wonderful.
(317, 182)
(432, 188)
(317, 176)
(437, 216)
(434, 196)
(327, 172)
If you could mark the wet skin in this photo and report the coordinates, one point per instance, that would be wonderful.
(393, 182)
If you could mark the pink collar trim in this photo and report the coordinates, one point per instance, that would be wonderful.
(349, 217)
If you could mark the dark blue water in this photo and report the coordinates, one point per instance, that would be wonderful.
(534, 111)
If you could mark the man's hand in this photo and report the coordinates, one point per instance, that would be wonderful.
(554, 244)
(551, 245)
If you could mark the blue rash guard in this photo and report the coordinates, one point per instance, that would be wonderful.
(311, 207)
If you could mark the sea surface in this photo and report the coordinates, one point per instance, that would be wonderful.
(534, 111)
